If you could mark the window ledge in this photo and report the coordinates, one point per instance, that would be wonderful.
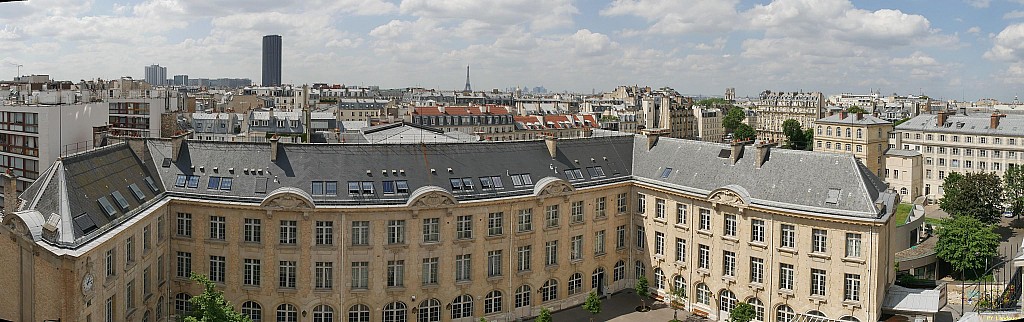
(704, 232)
(682, 226)
(396, 246)
(323, 290)
(463, 282)
(731, 239)
(660, 221)
(494, 237)
(787, 250)
(359, 290)
(550, 228)
(523, 272)
(817, 299)
(729, 279)
(761, 245)
(577, 223)
(360, 247)
(849, 303)
(251, 244)
(464, 240)
(601, 218)
(756, 286)
(599, 255)
(819, 255)
(524, 232)
(854, 260)
(785, 293)
(495, 278)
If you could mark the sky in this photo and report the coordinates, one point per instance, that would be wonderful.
(949, 49)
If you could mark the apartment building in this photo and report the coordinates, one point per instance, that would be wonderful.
(447, 231)
(361, 109)
(216, 126)
(903, 172)
(532, 127)
(961, 142)
(865, 136)
(708, 124)
(774, 108)
(489, 122)
(138, 113)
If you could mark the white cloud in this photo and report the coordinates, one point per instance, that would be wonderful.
(974, 30)
(979, 3)
(916, 59)
(671, 17)
(538, 15)
(1016, 14)
(1008, 44)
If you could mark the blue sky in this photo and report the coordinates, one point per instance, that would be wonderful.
(949, 49)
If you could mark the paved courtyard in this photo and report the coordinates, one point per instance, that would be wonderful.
(621, 307)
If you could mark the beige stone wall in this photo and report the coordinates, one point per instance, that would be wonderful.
(929, 144)
(909, 179)
(831, 137)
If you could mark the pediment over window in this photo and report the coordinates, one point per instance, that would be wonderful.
(731, 195)
(551, 186)
(288, 199)
(431, 197)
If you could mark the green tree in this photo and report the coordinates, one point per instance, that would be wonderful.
(901, 121)
(592, 305)
(744, 132)
(809, 139)
(678, 298)
(642, 290)
(545, 315)
(795, 136)
(1013, 188)
(965, 242)
(733, 118)
(210, 306)
(742, 312)
(979, 195)
(856, 109)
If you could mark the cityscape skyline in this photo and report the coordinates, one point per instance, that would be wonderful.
(963, 50)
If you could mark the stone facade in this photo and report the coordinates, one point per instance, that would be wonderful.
(774, 108)
(864, 136)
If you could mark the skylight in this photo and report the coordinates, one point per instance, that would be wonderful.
(167, 163)
(402, 185)
(120, 199)
(665, 173)
(107, 207)
(137, 192)
(261, 185)
(152, 185)
(833, 196)
(85, 223)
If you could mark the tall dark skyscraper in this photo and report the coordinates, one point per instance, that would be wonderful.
(271, 60)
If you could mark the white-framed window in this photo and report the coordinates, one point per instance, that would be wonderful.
(853, 245)
(851, 287)
(705, 219)
(817, 282)
(819, 240)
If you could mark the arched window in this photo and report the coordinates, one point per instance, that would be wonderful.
(181, 304)
(849, 318)
(659, 279)
(395, 312)
(619, 272)
(462, 307)
(595, 278)
(160, 307)
(726, 300)
(549, 291)
(492, 303)
(287, 313)
(839, 131)
(784, 313)
(323, 313)
(758, 308)
(819, 129)
(523, 296)
(860, 134)
(575, 283)
(848, 132)
(640, 270)
(903, 190)
(816, 316)
(429, 311)
(253, 310)
(145, 316)
(359, 313)
(828, 131)
(679, 283)
(703, 294)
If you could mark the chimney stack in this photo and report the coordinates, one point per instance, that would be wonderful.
(860, 116)
(273, 148)
(842, 115)
(994, 121)
(763, 152)
(737, 151)
(653, 135)
(177, 142)
(440, 109)
(552, 143)
(941, 119)
(10, 192)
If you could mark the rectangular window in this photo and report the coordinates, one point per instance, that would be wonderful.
(576, 245)
(681, 213)
(218, 229)
(620, 237)
(463, 264)
(431, 230)
(817, 282)
(129, 295)
(728, 263)
(495, 223)
(551, 253)
(525, 220)
(705, 219)
(576, 212)
(494, 263)
(788, 239)
(851, 288)
(111, 261)
(217, 270)
(251, 230)
(551, 216)
(599, 207)
(641, 241)
(147, 289)
(360, 233)
(396, 232)
(659, 243)
(641, 203)
(680, 250)
(184, 224)
(852, 245)
(324, 233)
(523, 254)
(621, 203)
(286, 274)
(129, 251)
(659, 208)
(757, 230)
(360, 275)
(184, 264)
(160, 228)
(430, 271)
(464, 227)
(146, 245)
(251, 272)
(819, 241)
(786, 277)
(396, 273)
(756, 270)
(729, 225)
(703, 257)
(324, 272)
(289, 232)
(599, 242)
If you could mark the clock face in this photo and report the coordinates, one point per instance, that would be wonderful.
(87, 284)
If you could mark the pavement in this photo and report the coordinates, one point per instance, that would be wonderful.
(621, 307)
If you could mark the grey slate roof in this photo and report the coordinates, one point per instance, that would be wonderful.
(978, 124)
(902, 152)
(851, 118)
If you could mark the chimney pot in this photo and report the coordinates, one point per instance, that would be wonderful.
(737, 151)
(941, 119)
(994, 121)
(552, 143)
(860, 116)
(273, 148)
(763, 152)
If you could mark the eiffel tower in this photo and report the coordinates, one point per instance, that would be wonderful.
(468, 87)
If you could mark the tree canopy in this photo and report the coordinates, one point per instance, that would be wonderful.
(1013, 188)
(713, 102)
(742, 312)
(978, 195)
(796, 137)
(592, 304)
(744, 132)
(855, 109)
(545, 315)
(733, 118)
(965, 242)
(210, 306)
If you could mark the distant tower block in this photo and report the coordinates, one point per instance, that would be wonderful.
(468, 87)
(730, 94)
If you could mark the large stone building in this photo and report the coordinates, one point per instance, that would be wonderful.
(862, 135)
(774, 108)
(961, 142)
(489, 122)
(446, 231)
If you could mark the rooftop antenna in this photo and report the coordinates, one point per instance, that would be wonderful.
(19, 66)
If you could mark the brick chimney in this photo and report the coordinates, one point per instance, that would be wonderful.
(552, 143)
(653, 135)
(860, 116)
(763, 152)
(177, 142)
(274, 148)
(842, 115)
(941, 119)
(994, 121)
(10, 191)
(737, 151)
